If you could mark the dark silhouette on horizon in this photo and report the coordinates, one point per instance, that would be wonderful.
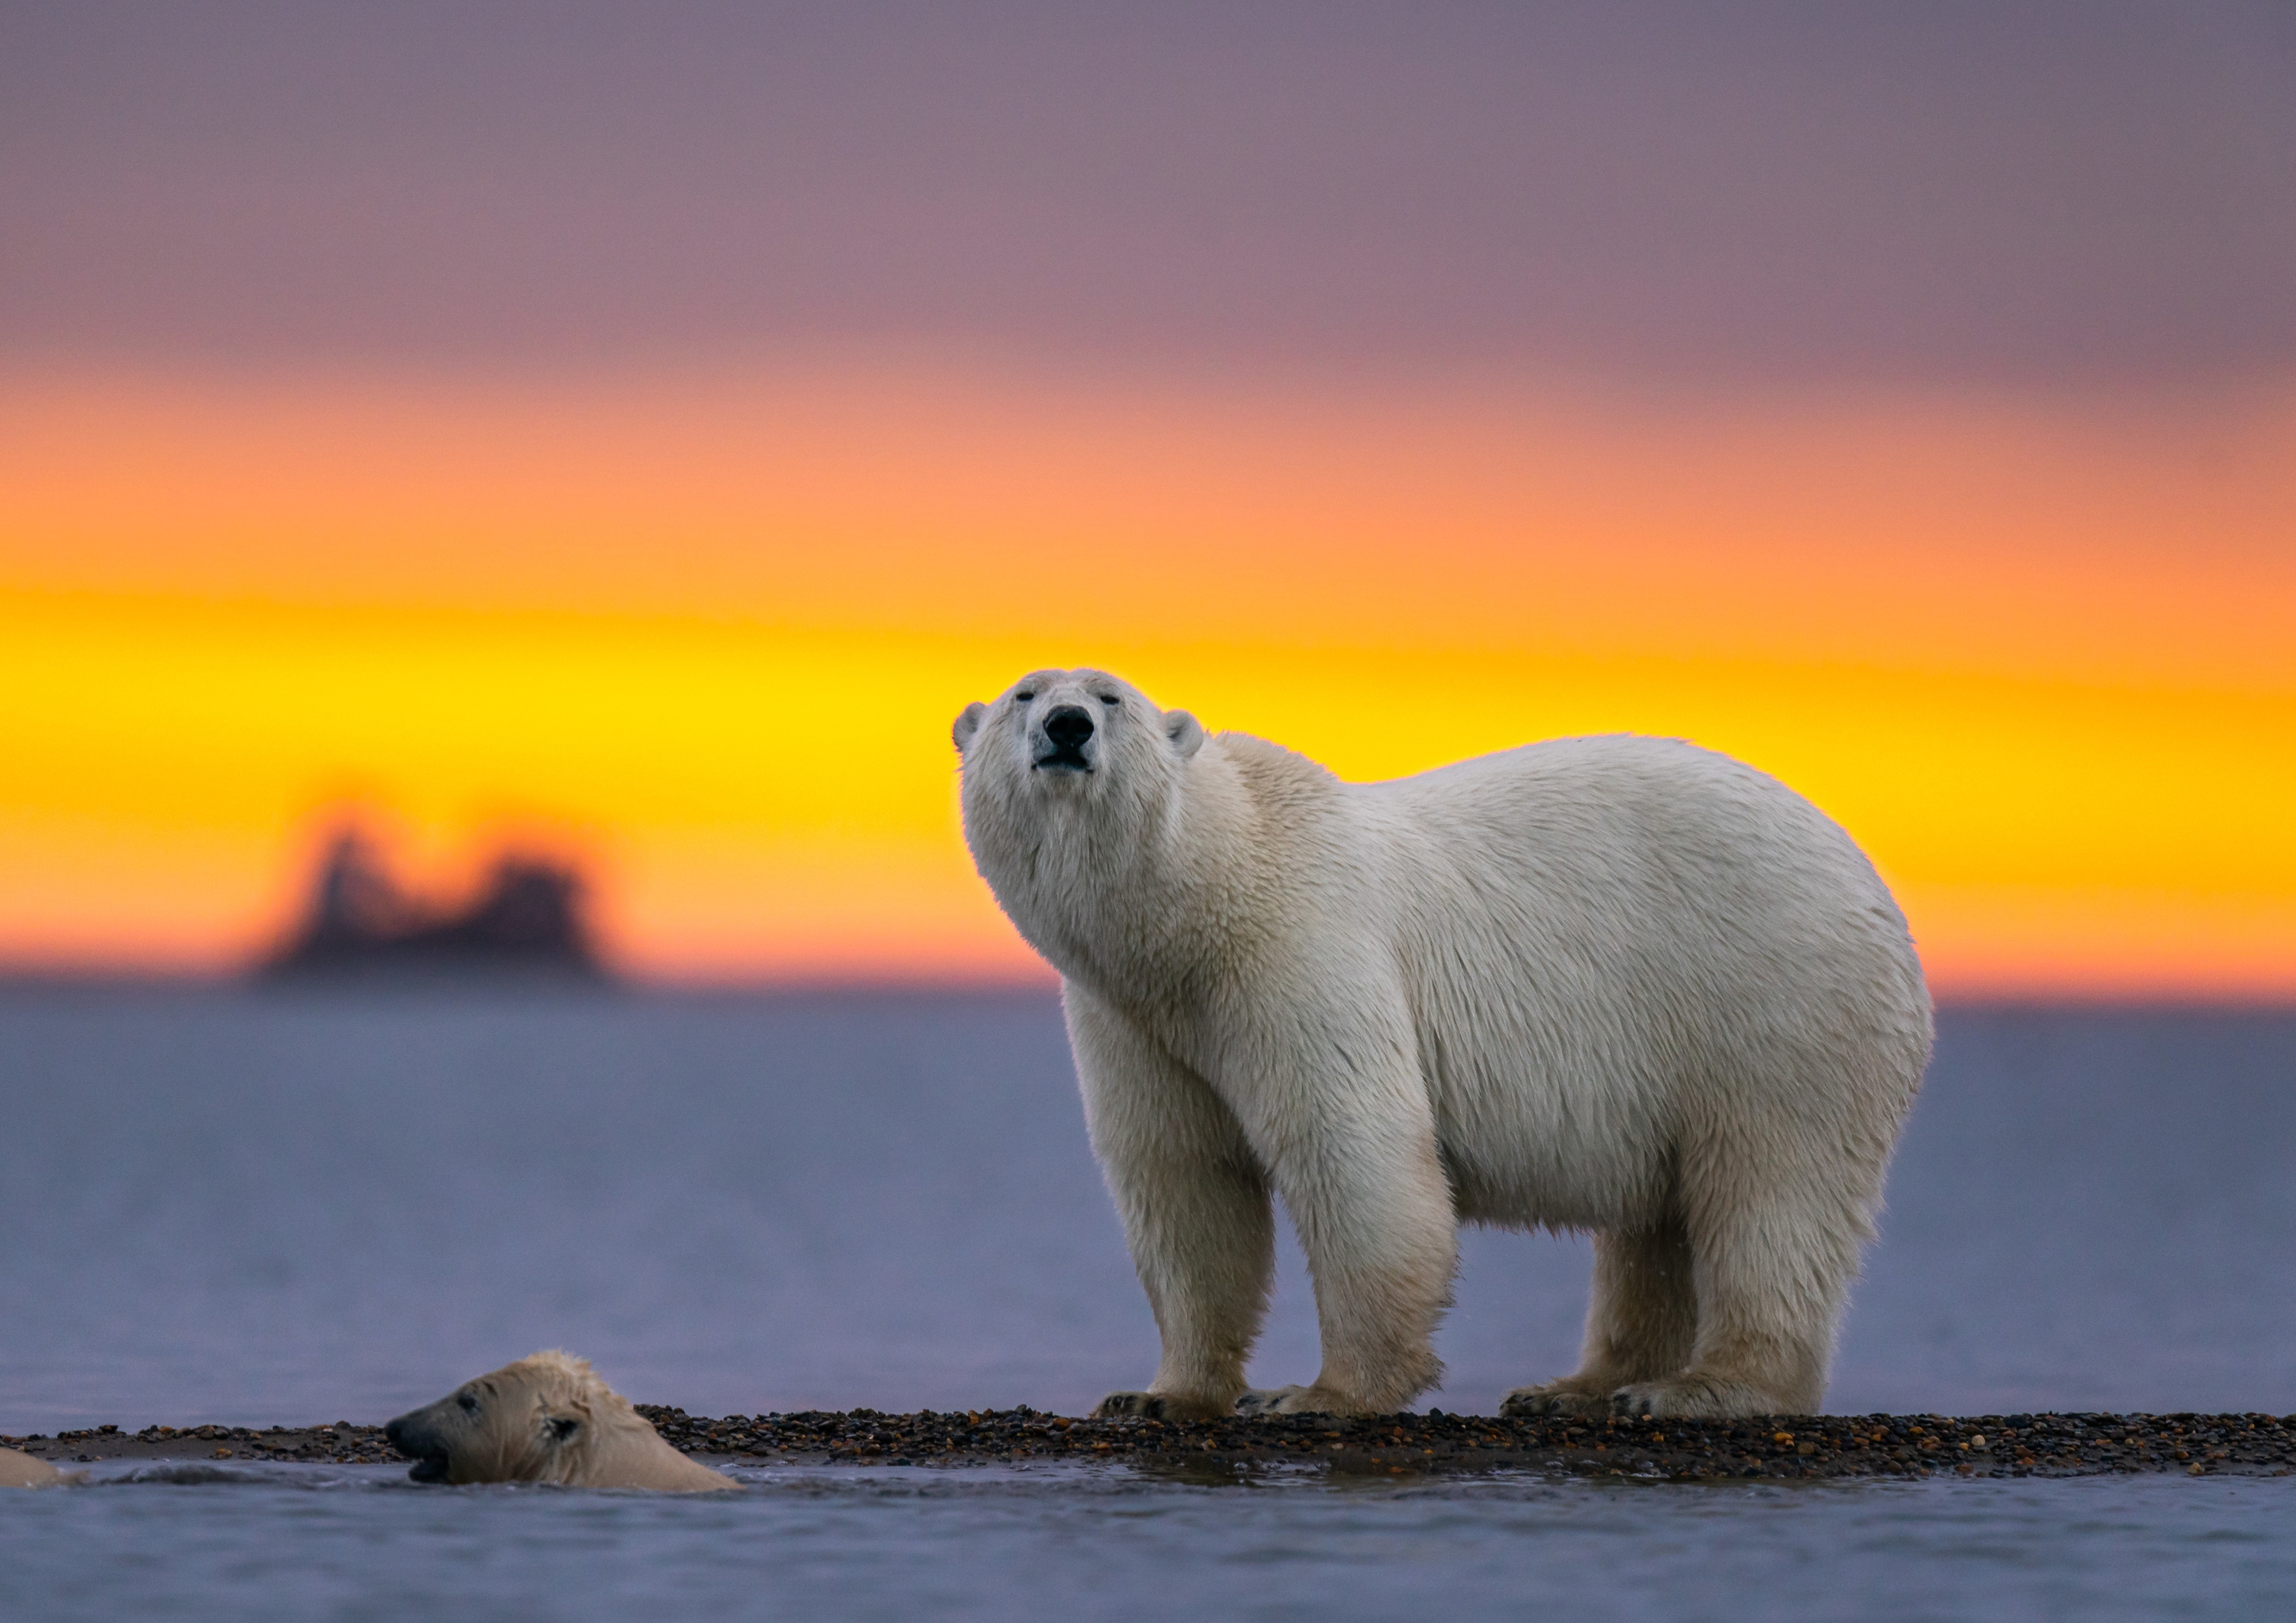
(528, 918)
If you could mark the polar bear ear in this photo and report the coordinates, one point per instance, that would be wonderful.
(1186, 734)
(968, 723)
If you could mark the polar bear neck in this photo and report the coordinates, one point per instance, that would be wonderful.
(1167, 885)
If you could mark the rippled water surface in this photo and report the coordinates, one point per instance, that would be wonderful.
(1070, 1542)
(258, 1208)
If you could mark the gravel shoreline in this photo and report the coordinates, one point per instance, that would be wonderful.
(1791, 1447)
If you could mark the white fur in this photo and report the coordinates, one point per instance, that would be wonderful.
(1620, 985)
(547, 1418)
(20, 1470)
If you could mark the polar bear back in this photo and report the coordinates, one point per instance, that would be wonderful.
(1609, 942)
(20, 1470)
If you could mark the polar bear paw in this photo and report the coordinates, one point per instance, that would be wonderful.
(1567, 1396)
(1296, 1400)
(1700, 1398)
(1158, 1405)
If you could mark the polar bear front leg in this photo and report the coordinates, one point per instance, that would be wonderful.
(1196, 1208)
(1354, 1157)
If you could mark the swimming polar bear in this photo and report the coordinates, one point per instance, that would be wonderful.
(1620, 985)
(544, 1419)
(20, 1470)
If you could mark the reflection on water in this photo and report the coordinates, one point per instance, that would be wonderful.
(1065, 1542)
(304, 1206)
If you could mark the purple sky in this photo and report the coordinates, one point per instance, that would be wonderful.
(2082, 193)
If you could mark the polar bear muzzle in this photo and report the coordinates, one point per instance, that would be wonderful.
(1064, 740)
(426, 1436)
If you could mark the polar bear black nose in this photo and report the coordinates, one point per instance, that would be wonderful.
(1068, 727)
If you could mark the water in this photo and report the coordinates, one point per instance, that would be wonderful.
(272, 1208)
(1070, 1542)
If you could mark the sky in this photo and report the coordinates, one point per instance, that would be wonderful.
(638, 431)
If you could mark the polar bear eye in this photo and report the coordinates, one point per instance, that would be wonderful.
(1025, 694)
(1108, 699)
(470, 1404)
(561, 1430)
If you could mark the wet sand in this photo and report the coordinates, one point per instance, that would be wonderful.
(1792, 1448)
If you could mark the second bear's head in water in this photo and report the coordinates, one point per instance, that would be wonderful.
(547, 1418)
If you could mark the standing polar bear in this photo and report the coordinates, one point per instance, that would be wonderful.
(1614, 984)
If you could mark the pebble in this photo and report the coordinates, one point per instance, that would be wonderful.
(342, 1443)
(1814, 1447)
(1806, 1447)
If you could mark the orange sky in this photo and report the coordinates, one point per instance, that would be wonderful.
(2038, 653)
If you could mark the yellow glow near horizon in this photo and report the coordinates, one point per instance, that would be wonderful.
(2040, 663)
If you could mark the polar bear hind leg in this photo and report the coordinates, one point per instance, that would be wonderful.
(1773, 1253)
(1733, 1312)
(1642, 1323)
(1772, 1276)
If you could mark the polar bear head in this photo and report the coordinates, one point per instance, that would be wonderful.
(1069, 758)
(1071, 737)
(1072, 779)
(548, 1418)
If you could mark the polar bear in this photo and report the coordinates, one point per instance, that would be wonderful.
(544, 1419)
(1619, 985)
(20, 1470)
